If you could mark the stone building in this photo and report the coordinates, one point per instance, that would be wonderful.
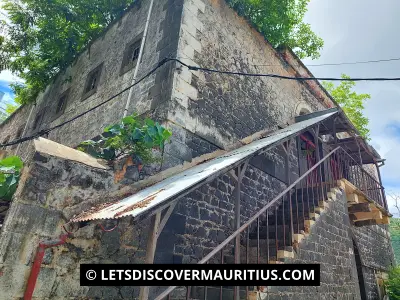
(284, 136)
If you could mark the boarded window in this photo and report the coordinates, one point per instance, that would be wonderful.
(92, 81)
(131, 54)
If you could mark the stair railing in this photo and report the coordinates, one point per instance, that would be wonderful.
(358, 176)
(286, 218)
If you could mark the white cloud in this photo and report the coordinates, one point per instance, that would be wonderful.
(6, 75)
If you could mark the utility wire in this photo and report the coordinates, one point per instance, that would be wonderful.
(193, 68)
(340, 64)
(355, 63)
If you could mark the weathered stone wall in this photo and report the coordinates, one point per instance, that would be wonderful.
(108, 50)
(376, 252)
(51, 191)
(223, 108)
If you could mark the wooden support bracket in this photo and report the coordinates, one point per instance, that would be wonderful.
(363, 216)
(360, 207)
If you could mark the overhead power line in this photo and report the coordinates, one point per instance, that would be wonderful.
(354, 63)
(340, 64)
(193, 68)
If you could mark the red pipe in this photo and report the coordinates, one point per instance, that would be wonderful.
(304, 138)
(38, 262)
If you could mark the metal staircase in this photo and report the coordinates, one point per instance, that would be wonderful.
(272, 234)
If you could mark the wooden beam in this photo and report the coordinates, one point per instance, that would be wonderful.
(362, 216)
(383, 221)
(165, 218)
(360, 207)
(150, 250)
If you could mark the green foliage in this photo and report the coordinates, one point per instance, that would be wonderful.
(393, 284)
(10, 108)
(10, 168)
(281, 22)
(132, 136)
(394, 228)
(351, 102)
(44, 37)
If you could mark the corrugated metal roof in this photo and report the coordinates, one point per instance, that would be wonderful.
(145, 202)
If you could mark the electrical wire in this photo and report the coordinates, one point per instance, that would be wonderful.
(354, 63)
(193, 68)
(340, 64)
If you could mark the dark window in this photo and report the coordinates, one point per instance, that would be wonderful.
(131, 55)
(92, 82)
(135, 50)
(61, 104)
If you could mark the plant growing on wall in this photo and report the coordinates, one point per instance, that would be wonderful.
(132, 136)
(281, 22)
(10, 169)
(41, 37)
(393, 284)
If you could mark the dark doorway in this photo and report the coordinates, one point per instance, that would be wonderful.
(361, 282)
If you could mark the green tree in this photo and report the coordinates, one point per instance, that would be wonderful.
(393, 284)
(10, 108)
(281, 22)
(351, 103)
(44, 37)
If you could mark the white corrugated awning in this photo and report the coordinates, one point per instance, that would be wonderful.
(149, 200)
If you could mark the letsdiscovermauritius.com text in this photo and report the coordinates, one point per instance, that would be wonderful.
(189, 275)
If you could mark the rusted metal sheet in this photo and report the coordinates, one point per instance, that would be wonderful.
(150, 199)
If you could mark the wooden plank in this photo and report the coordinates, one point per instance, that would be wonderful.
(298, 237)
(285, 254)
(373, 215)
(382, 221)
(352, 198)
(360, 207)
(341, 184)
(150, 251)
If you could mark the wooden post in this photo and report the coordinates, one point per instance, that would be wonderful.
(151, 250)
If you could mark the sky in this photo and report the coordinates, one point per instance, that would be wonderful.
(361, 30)
(355, 30)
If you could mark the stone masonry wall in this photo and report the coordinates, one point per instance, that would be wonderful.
(108, 50)
(51, 191)
(376, 252)
(222, 108)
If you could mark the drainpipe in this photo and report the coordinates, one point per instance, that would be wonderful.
(38, 262)
(146, 28)
(25, 129)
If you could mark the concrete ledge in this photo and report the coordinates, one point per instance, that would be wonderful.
(55, 149)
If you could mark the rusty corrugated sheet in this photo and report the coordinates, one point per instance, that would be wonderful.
(151, 198)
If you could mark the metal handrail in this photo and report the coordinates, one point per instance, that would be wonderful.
(323, 175)
(360, 166)
(252, 219)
